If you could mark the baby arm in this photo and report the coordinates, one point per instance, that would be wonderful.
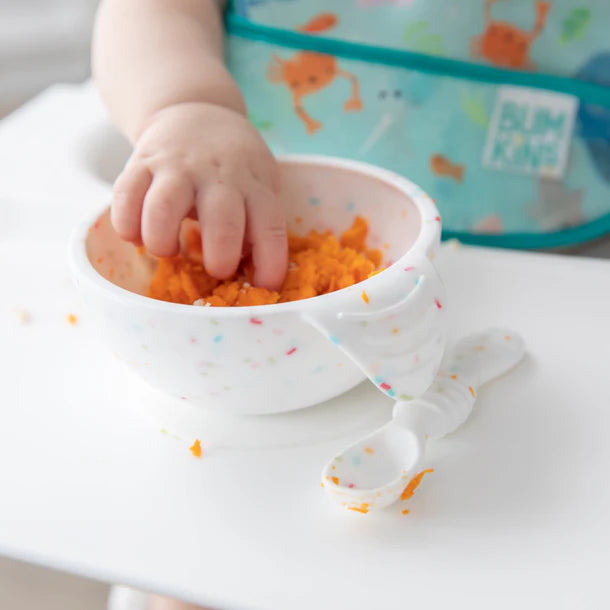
(159, 67)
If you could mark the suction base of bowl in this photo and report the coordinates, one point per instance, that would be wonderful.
(354, 413)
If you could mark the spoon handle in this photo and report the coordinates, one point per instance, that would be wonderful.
(473, 361)
(441, 410)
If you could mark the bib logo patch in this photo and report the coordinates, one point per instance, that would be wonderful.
(530, 132)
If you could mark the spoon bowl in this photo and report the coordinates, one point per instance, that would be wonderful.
(375, 470)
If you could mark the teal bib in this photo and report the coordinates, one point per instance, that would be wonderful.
(501, 111)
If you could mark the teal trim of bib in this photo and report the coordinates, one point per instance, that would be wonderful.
(539, 241)
(586, 91)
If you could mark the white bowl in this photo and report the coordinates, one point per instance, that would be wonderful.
(274, 358)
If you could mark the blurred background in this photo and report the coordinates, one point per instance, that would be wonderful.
(42, 42)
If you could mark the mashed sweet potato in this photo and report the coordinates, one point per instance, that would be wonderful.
(319, 263)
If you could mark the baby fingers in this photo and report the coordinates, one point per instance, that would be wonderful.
(168, 201)
(222, 217)
(127, 201)
(268, 235)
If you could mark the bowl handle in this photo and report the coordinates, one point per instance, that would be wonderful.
(394, 331)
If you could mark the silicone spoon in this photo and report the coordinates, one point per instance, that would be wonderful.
(373, 472)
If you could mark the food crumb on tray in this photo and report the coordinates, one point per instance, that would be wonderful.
(195, 448)
(23, 316)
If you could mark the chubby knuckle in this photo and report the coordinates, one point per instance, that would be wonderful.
(147, 156)
(275, 232)
(161, 211)
(266, 174)
(164, 159)
(121, 197)
(122, 203)
(229, 230)
(125, 204)
(121, 190)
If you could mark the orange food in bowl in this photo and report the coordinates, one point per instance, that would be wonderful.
(319, 263)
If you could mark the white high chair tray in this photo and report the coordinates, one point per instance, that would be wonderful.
(515, 513)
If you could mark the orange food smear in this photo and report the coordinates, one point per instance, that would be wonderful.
(196, 448)
(335, 480)
(363, 508)
(414, 484)
(405, 511)
(319, 263)
(72, 319)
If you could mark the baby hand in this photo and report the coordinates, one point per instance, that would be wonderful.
(209, 159)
